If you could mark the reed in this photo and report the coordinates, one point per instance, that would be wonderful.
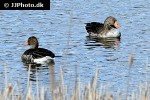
(129, 73)
(91, 91)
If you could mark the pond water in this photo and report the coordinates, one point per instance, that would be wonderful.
(62, 30)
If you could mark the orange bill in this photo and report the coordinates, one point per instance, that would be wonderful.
(116, 24)
(26, 43)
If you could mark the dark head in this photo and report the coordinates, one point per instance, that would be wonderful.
(111, 21)
(33, 42)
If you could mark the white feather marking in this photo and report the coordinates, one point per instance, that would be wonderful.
(43, 60)
(113, 33)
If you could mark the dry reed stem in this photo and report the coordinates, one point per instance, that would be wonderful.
(89, 92)
(29, 94)
(129, 72)
(119, 95)
(8, 92)
(61, 91)
(28, 81)
(42, 94)
(37, 86)
(5, 74)
(130, 59)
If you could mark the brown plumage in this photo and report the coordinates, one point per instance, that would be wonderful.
(34, 54)
(104, 30)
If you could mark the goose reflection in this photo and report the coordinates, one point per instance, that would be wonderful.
(48, 70)
(38, 68)
(104, 42)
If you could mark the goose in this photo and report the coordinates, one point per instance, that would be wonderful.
(108, 29)
(36, 55)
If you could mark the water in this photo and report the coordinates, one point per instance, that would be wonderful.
(62, 30)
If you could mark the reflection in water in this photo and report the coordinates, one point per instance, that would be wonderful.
(37, 68)
(34, 69)
(105, 42)
(52, 80)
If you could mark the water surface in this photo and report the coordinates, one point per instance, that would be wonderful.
(62, 30)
